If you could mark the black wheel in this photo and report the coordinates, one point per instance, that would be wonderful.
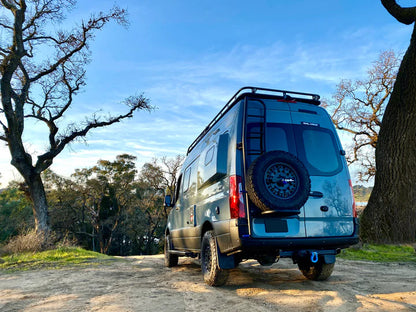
(266, 260)
(213, 275)
(171, 260)
(319, 271)
(278, 181)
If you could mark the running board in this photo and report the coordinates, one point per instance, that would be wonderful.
(183, 253)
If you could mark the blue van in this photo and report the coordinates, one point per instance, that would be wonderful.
(266, 179)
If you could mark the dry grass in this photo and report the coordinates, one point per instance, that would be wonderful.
(32, 241)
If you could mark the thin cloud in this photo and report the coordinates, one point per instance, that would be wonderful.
(188, 92)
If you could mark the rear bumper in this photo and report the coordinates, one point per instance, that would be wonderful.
(253, 244)
(317, 243)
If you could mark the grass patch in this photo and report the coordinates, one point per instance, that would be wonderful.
(380, 253)
(52, 259)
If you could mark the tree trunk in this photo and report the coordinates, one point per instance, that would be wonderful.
(390, 216)
(40, 205)
(23, 163)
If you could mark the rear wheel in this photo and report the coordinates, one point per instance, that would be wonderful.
(213, 274)
(171, 260)
(319, 271)
(266, 260)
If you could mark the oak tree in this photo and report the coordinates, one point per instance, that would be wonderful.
(390, 216)
(41, 70)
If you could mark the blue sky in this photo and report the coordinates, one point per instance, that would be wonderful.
(190, 57)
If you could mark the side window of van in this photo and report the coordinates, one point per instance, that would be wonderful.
(186, 179)
(193, 178)
(178, 187)
(209, 156)
(190, 177)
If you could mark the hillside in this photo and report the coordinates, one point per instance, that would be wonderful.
(362, 193)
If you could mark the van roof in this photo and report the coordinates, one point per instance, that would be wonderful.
(289, 96)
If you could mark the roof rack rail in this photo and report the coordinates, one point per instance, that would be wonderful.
(283, 93)
(310, 97)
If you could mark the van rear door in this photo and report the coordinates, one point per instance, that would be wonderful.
(307, 132)
(268, 128)
(330, 212)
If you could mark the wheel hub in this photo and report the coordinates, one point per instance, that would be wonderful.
(281, 180)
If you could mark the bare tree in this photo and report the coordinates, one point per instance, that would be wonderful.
(358, 108)
(155, 180)
(390, 215)
(41, 71)
(170, 168)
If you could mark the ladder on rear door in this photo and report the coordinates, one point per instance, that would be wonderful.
(255, 133)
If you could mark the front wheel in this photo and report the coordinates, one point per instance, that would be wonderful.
(319, 271)
(213, 274)
(171, 260)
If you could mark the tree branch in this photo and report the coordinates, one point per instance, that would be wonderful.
(73, 44)
(8, 5)
(403, 15)
(134, 102)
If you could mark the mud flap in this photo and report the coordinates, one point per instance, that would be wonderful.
(224, 261)
(328, 259)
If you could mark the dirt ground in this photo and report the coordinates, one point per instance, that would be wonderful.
(142, 283)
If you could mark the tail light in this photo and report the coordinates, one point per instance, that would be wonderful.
(354, 209)
(236, 197)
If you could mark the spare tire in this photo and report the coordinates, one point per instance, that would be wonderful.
(278, 181)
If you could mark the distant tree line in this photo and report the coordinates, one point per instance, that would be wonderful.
(362, 193)
(42, 69)
(111, 207)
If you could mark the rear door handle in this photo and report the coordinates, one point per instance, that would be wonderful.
(316, 194)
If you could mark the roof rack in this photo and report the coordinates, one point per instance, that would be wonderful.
(283, 93)
(289, 95)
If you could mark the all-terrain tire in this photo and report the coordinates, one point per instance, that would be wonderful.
(266, 260)
(171, 260)
(319, 271)
(278, 181)
(213, 274)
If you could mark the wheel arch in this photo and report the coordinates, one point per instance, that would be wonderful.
(207, 226)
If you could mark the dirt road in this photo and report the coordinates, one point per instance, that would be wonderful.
(144, 284)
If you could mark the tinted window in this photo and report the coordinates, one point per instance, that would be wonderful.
(178, 186)
(190, 177)
(317, 149)
(276, 139)
(209, 156)
(320, 150)
(186, 179)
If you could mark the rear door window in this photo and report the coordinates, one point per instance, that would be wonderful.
(317, 149)
(279, 137)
